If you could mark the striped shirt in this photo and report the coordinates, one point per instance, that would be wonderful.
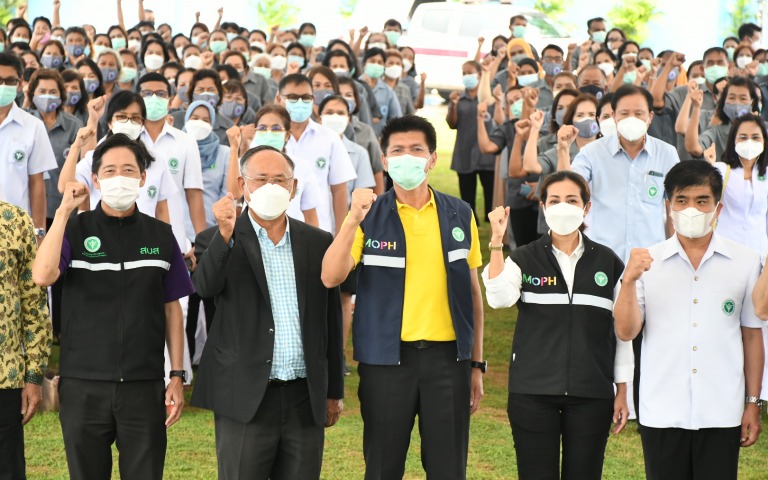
(288, 354)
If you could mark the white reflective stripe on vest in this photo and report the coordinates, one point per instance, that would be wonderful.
(593, 301)
(95, 267)
(546, 298)
(382, 261)
(147, 263)
(460, 254)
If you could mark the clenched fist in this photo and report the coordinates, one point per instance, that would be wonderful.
(225, 214)
(640, 261)
(74, 194)
(362, 200)
(498, 219)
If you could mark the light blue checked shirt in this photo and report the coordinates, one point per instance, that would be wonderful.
(627, 195)
(288, 355)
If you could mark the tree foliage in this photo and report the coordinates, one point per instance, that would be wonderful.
(633, 16)
(7, 10)
(552, 8)
(275, 12)
(741, 13)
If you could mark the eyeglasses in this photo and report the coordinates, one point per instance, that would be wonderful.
(10, 81)
(292, 98)
(262, 180)
(273, 128)
(121, 117)
(160, 94)
(553, 59)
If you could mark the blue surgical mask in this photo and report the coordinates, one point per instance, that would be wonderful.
(272, 139)
(392, 36)
(730, 51)
(630, 77)
(157, 108)
(296, 58)
(599, 36)
(231, 36)
(519, 31)
(300, 111)
(307, 40)
(526, 80)
(7, 95)
(118, 43)
(470, 81)
(374, 70)
(762, 69)
(218, 46)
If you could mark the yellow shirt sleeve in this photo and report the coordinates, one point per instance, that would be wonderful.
(475, 258)
(357, 246)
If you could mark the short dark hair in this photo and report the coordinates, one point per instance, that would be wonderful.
(253, 151)
(231, 71)
(152, 41)
(293, 79)
(338, 53)
(372, 52)
(153, 77)
(122, 100)
(530, 62)
(517, 17)
(693, 174)
(46, 74)
(307, 24)
(227, 25)
(736, 82)
(712, 50)
(327, 73)
(730, 156)
(121, 140)
(748, 30)
(554, 47)
(562, 176)
(331, 98)
(145, 23)
(594, 20)
(628, 90)
(409, 123)
(42, 19)
(393, 23)
(202, 75)
(11, 60)
(77, 30)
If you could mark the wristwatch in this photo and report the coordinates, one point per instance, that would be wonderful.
(179, 373)
(483, 366)
(40, 232)
(494, 248)
(755, 400)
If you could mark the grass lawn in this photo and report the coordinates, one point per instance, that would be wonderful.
(191, 448)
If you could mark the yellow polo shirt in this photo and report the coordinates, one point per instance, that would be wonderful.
(426, 311)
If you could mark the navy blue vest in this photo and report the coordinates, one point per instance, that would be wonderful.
(381, 279)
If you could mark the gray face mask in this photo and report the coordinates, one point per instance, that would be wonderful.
(232, 109)
(587, 128)
(736, 110)
(517, 58)
(559, 116)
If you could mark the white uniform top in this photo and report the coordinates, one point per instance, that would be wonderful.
(179, 152)
(24, 150)
(157, 187)
(692, 365)
(504, 291)
(307, 192)
(321, 149)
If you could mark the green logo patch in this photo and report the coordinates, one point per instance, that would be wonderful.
(652, 191)
(92, 244)
(173, 163)
(19, 155)
(601, 279)
(761, 178)
(729, 306)
(152, 191)
(321, 162)
(458, 234)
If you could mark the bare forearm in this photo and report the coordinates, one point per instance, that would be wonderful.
(453, 117)
(760, 295)
(340, 205)
(485, 143)
(516, 169)
(37, 200)
(196, 209)
(627, 314)
(232, 172)
(531, 154)
(659, 88)
(174, 334)
(692, 133)
(379, 178)
(754, 359)
(45, 269)
(681, 124)
(477, 306)
(337, 261)
(563, 159)
(161, 212)
(310, 217)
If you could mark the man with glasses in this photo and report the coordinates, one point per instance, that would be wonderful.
(319, 147)
(25, 149)
(272, 368)
(179, 152)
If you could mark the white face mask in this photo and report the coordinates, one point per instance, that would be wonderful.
(608, 126)
(407, 65)
(153, 62)
(749, 149)
(393, 72)
(269, 201)
(606, 67)
(133, 130)
(193, 62)
(563, 218)
(199, 129)
(279, 62)
(692, 223)
(380, 45)
(632, 128)
(119, 193)
(742, 62)
(337, 123)
(134, 44)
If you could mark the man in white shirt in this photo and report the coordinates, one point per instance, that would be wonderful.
(703, 354)
(25, 150)
(320, 147)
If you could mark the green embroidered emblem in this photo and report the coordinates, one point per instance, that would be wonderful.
(729, 306)
(92, 244)
(458, 234)
(601, 279)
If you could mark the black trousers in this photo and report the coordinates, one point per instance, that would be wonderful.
(282, 442)
(522, 221)
(468, 190)
(11, 435)
(430, 383)
(95, 414)
(540, 421)
(679, 454)
(193, 310)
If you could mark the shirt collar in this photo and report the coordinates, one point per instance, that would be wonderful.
(259, 229)
(578, 251)
(716, 245)
(430, 202)
(57, 123)
(13, 115)
(616, 147)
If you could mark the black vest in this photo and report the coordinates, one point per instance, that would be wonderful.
(565, 344)
(113, 304)
(381, 279)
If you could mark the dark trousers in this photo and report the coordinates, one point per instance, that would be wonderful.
(193, 310)
(540, 421)
(522, 221)
(430, 383)
(11, 435)
(468, 190)
(281, 442)
(679, 454)
(95, 414)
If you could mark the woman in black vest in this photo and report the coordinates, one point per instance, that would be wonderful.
(564, 359)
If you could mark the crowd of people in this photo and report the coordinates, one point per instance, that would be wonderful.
(242, 200)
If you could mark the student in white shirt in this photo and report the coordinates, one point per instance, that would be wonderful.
(565, 355)
(25, 150)
(702, 361)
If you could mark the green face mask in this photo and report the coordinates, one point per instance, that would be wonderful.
(7, 95)
(157, 107)
(517, 108)
(275, 140)
(762, 69)
(715, 72)
(392, 36)
(407, 171)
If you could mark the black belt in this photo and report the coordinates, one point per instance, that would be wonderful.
(422, 344)
(277, 383)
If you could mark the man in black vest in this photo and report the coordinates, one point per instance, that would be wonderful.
(123, 274)
(418, 326)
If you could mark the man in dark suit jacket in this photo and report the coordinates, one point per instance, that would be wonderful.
(272, 368)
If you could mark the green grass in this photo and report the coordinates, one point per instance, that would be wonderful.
(191, 448)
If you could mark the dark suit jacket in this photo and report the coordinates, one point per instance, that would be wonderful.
(237, 359)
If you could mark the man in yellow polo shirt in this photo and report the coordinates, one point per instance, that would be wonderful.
(418, 326)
